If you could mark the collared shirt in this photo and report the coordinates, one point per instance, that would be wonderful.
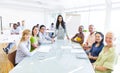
(44, 38)
(106, 59)
(91, 39)
(52, 27)
(15, 31)
(23, 51)
(95, 51)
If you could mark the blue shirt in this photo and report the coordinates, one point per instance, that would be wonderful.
(95, 51)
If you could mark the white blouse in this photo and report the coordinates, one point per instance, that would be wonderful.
(23, 51)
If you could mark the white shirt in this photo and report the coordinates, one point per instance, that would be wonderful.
(23, 51)
(52, 27)
(44, 38)
(14, 31)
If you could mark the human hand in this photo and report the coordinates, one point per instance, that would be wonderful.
(52, 40)
(68, 38)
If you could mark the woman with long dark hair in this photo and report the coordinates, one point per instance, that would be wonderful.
(34, 38)
(60, 28)
(96, 47)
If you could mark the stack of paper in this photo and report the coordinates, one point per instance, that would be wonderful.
(44, 48)
(77, 51)
(76, 46)
(66, 47)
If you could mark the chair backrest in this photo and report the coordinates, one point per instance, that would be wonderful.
(11, 57)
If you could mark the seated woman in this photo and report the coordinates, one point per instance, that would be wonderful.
(24, 47)
(79, 37)
(34, 38)
(96, 47)
(106, 59)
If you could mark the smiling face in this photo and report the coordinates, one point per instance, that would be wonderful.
(42, 30)
(27, 36)
(15, 26)
(109, 38)
(80, 29)
(35, 31)
(98, 38)
(91, 28)
(60, 19)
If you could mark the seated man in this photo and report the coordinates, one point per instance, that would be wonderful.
(90, 40)
(43, 37)
(79, 37)
(14, 31)
(10, 46)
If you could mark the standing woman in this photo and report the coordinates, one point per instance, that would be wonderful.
(24, 47)
(60, 31)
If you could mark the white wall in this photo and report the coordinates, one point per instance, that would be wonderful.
(72, 23)
(13, 15)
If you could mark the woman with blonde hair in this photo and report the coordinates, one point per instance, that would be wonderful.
(24, 46)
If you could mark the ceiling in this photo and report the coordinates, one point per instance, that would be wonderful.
(49, 4)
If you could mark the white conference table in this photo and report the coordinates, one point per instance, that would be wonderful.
(60, 57)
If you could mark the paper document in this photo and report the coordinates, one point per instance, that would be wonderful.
(66, 47)
(77, 51)
(44, 48)
(76, 46)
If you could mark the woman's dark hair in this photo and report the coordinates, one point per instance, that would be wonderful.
(33, 29)
(101, 42)
(62, 22)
